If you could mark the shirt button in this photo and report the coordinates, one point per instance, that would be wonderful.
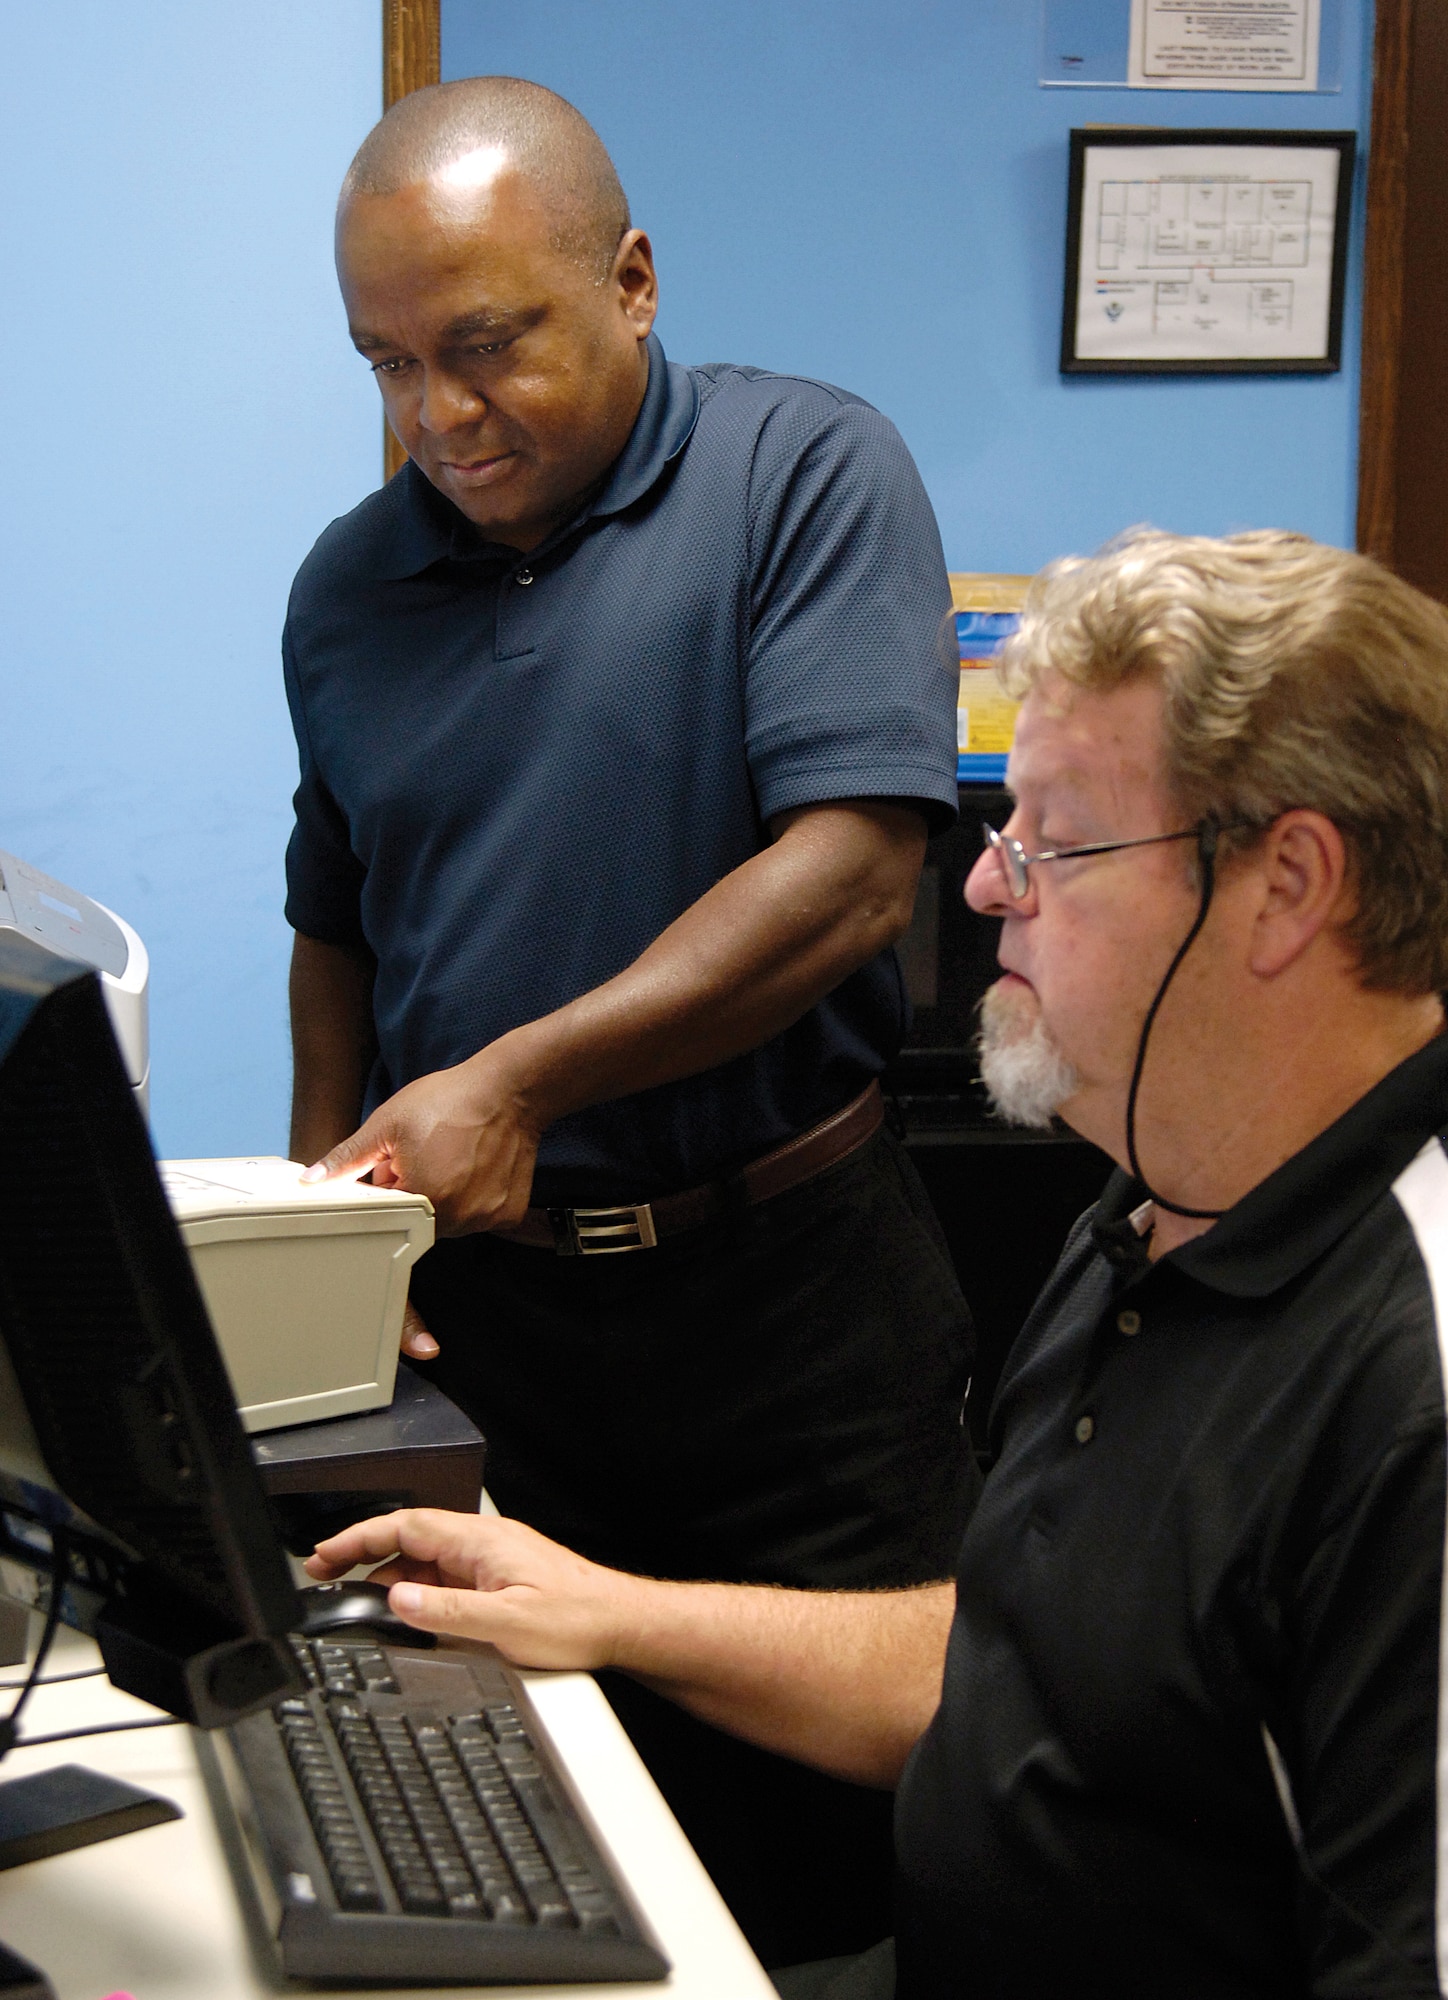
(1085, 1429)
(523, 576)
(1128, 1322)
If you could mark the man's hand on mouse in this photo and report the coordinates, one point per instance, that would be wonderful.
(469, 1576)
(462, 1136)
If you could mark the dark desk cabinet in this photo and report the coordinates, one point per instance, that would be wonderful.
(421, 1451)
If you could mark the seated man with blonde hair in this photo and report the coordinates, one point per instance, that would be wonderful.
(1180, 1719)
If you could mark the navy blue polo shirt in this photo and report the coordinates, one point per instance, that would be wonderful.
(517, 771)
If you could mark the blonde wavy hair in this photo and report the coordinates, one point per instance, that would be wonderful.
(1294, 675)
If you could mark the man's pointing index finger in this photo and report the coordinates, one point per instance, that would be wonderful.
(352, 1156)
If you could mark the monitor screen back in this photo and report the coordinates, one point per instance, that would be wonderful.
(128, 1401)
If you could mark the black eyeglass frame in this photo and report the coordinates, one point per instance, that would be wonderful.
(1015, 862)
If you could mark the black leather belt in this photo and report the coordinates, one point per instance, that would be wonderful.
(605, 1232)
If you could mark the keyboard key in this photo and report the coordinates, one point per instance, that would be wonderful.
(359, 1892)
(504, 1721)
(421, 1899)
(594, 1912)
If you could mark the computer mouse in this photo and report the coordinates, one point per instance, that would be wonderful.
(348, 1610)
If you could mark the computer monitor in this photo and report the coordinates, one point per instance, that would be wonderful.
(117, 1421)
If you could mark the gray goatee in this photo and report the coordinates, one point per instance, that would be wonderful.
(1026, 1074)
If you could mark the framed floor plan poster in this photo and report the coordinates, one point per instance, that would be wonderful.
(1201, 252)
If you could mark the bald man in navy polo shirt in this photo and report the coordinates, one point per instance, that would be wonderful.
(624, 711)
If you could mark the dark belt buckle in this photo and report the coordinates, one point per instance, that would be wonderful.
(602, 1232)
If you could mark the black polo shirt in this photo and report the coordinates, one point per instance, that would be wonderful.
(1192, 1718)
(516, 772)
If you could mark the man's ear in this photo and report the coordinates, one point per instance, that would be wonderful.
(635, 281)
(1302, 866)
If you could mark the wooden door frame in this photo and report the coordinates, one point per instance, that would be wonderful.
(1403, 412)
(411, 47)
(411, 57)
(1382, 279)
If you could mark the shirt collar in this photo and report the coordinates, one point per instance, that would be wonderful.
(425, 527)
(1289, 1220)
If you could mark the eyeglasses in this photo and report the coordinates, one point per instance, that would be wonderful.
(1015, 862)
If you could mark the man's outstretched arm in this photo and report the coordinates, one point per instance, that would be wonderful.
(836, 885)
(843, 1680)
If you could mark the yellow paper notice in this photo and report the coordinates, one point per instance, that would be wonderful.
(985, 721)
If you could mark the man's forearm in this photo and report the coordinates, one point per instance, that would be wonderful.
(333, 1043)
(843, 1680)
(846, 1681)
(739, 966)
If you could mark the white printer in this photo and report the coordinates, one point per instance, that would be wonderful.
(305, 1285)
(75, 927)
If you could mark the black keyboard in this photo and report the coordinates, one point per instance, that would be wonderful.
(406, 1822)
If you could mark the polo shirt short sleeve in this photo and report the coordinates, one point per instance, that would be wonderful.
(1194, 1709)
(831, 519)
(517, 772)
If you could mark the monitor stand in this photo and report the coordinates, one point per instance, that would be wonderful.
(53, 1811)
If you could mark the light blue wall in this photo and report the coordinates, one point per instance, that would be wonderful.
(874, 191)
(182, 414)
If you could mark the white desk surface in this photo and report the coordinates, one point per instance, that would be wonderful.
(155, 1914)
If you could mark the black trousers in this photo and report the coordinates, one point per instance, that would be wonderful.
(774, 1398)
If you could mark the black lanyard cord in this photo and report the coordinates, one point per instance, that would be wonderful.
(1207, 836)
